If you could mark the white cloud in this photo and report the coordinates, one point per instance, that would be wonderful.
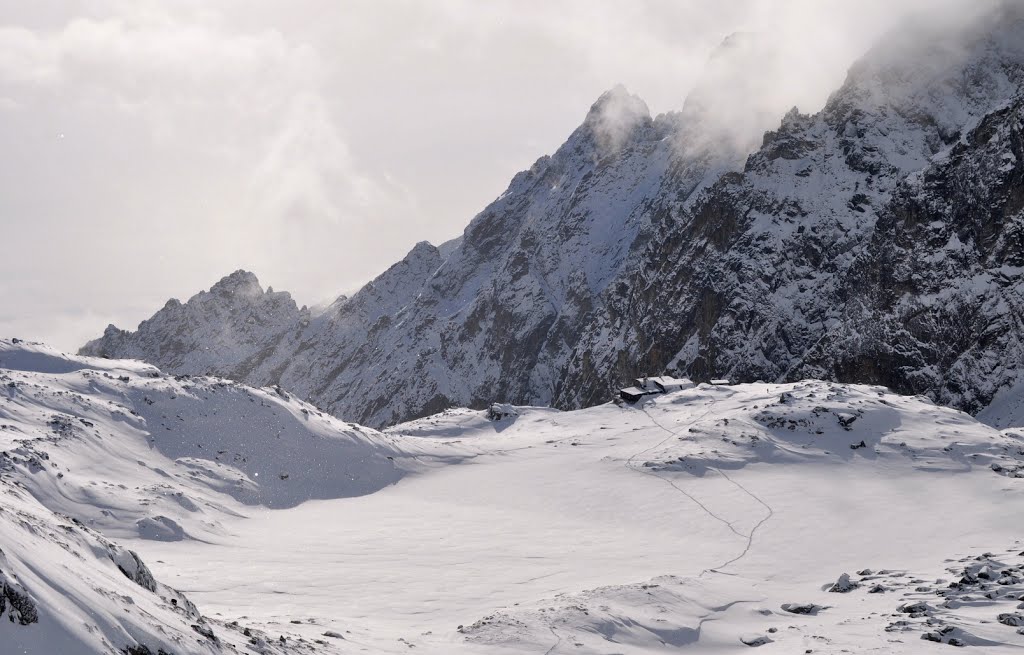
(27, 58)
(307, 167)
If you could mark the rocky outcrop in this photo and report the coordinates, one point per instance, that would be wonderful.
(132, 566)
(16, 602)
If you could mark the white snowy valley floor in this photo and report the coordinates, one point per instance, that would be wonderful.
(688, 522)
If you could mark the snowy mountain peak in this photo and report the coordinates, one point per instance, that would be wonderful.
(619, 96)
(645, 246)
(737, 85)
(733, 42)
(424, 249)
(240, 283)
(420, 245)
(614, 118)
(231, 322)
(398, 286)
(932, 73)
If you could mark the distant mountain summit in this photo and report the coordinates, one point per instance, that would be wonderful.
(212, 331)
(878, 240)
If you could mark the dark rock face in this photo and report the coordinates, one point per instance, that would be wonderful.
(1011, 619)
(819, 260)
(879, 241)
(934, 302)
(803, 608)
(15, 600)
(142, 649)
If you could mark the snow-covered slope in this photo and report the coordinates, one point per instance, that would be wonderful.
(691, 521)
(93, 450)
(714, 518)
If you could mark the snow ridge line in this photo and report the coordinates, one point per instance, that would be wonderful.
(749, 537)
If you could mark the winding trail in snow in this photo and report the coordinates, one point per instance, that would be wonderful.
(753, 531)
(558, 641)
(631, 463)
(750, 536)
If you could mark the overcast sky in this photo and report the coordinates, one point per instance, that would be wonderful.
(150, 148)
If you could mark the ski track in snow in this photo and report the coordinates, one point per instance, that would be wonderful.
(630, 463)
(558, 641)
(753, 531)
(750, 536)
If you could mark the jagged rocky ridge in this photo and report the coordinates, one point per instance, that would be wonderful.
(805, 265)
(875, 241)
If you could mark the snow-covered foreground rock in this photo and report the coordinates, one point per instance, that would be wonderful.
(94, 450)
(715, 518)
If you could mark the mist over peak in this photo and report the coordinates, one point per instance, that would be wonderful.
(615, 116)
